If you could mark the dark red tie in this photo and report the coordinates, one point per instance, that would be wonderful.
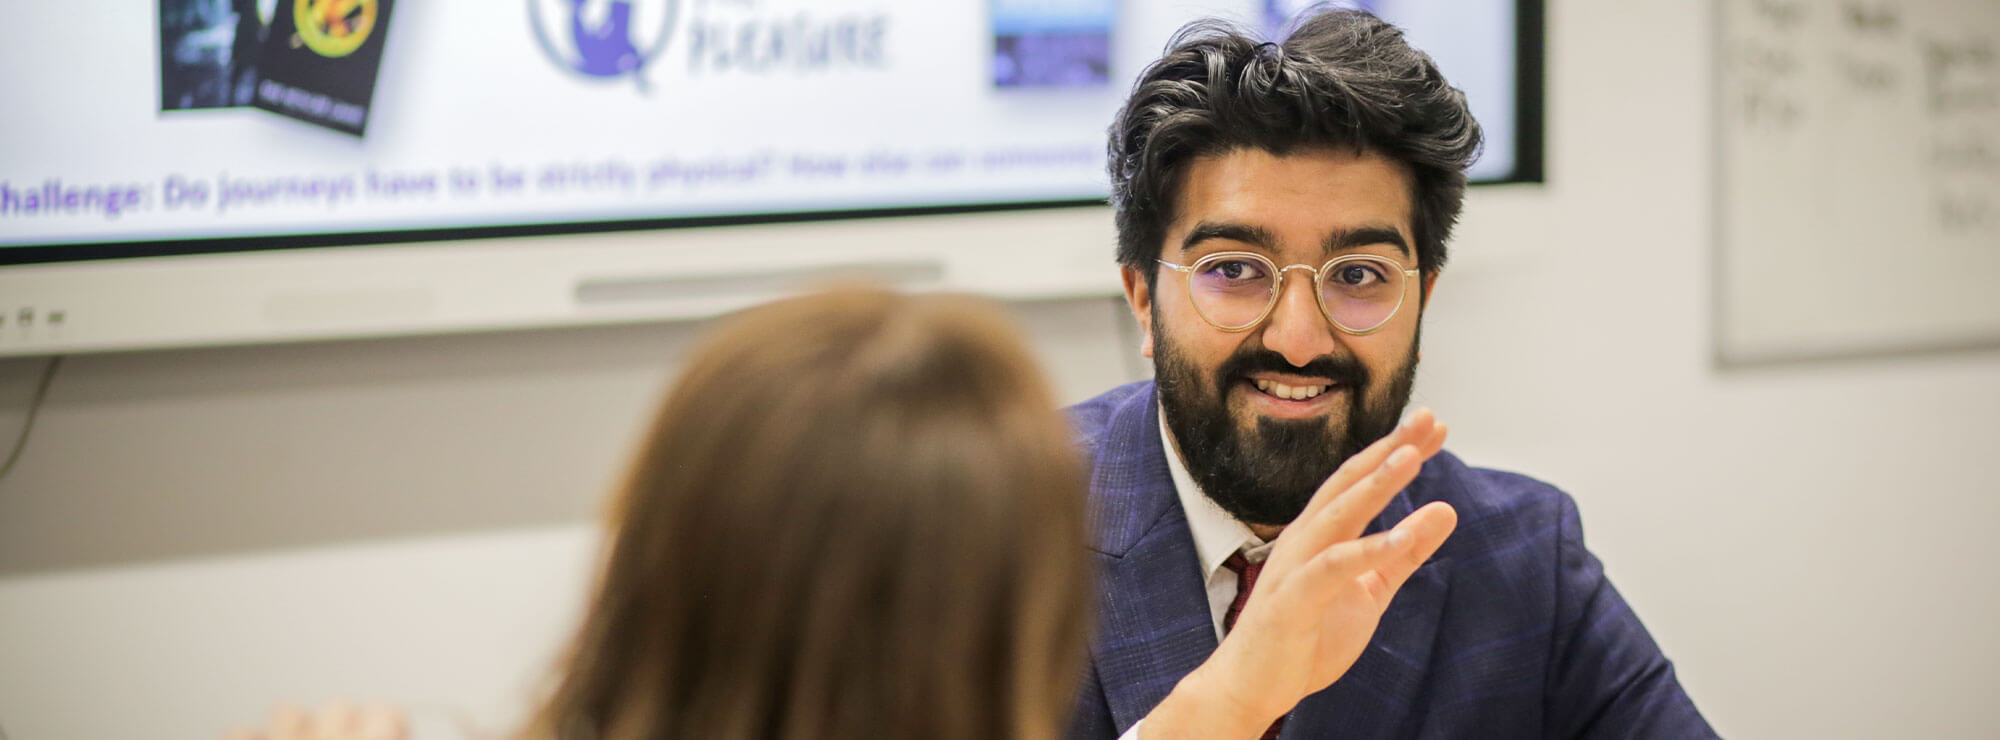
(1246, 579)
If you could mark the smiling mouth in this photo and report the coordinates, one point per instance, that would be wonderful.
(1285, 392)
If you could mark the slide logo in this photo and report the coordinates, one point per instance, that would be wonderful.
(603, 39)
(333, 28)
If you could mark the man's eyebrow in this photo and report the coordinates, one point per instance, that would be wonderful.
(1255, 236)
(1365, 236)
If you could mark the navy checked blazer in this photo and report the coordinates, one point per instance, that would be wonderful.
(1510, 631)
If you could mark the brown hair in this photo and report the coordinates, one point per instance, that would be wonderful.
(858, 514)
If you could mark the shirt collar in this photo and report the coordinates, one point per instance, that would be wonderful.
(1217, 535)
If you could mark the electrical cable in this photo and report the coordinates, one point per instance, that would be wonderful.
(28, 427)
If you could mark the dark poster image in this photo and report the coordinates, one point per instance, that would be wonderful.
(208, 51)
(320, 60)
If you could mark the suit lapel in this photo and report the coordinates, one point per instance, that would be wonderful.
(1154, 623)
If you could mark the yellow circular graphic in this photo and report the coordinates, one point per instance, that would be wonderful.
(333, 28)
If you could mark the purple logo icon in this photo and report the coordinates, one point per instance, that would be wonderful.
(1279, 15)
(603, 39)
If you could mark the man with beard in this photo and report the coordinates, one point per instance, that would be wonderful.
(1277, 553)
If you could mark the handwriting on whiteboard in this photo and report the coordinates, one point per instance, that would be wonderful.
(1928, 79)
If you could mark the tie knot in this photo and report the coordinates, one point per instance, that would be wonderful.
(1240, 564)
(1244, 569)
(1236, 562)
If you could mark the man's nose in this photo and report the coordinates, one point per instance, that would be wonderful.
(1296, 328)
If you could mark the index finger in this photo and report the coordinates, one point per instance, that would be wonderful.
(1418, 427)
(1346, 511)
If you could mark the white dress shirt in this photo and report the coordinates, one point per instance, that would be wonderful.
(1217, 535)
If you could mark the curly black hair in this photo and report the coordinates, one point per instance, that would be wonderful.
(1342, 78)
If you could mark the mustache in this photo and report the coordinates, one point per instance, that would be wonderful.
(1341, 369)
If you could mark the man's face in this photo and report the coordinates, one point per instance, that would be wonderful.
(1258, 454)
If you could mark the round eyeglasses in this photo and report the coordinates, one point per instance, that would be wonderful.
(1235, 291)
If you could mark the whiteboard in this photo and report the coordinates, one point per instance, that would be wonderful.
(1859, 178)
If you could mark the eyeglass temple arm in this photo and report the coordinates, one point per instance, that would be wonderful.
(1190, 268)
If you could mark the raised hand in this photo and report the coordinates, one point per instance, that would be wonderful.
(1320, 596)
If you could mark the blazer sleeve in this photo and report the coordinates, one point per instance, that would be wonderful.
(1607, 677)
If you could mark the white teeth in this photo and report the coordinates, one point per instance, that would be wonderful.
(1295, 393)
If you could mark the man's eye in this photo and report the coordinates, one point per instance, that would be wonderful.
(1235, 270)
(1360, 275)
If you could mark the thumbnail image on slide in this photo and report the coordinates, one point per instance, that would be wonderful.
(1278, 14)
(320, 62)
(208, 51)
(1052, 43)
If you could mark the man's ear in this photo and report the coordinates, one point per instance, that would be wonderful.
(1430, 287)
(1140, 298)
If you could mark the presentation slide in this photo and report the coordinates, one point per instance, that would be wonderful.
(209, 120)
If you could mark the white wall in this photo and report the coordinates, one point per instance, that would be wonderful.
(195, 534)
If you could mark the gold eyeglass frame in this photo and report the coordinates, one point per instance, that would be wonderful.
(1278, 287)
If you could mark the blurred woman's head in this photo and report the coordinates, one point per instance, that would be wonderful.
(858, 514)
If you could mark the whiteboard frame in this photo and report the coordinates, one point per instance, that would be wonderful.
(495, 284)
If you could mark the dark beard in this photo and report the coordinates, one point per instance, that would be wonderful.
(1267, 475)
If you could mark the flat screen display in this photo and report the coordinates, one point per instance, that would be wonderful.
(152, 127)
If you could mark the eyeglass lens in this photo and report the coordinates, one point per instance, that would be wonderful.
(1359, 292)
